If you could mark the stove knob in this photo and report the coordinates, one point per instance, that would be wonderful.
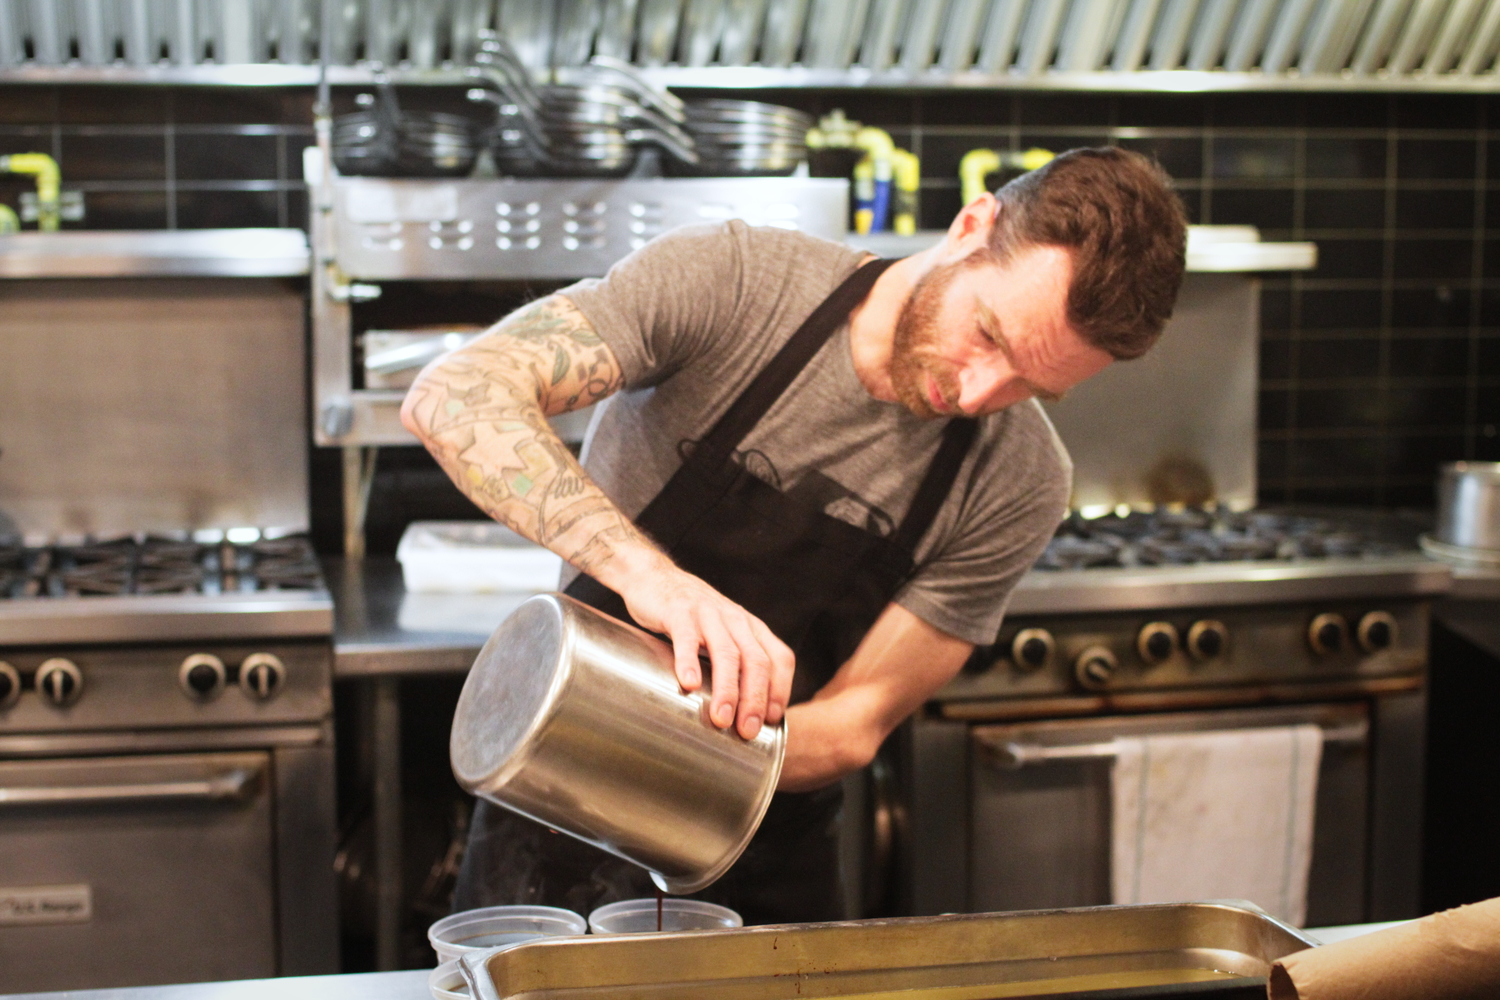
(1376, 631)
(1095, 667)
(10, 684)
(59, 681)
(1327, 634)
(1207, 639)
(1032, 649)
(202, 676)
(1156, 642)
(261, 675)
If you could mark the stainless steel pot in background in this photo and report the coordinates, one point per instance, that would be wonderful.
(1469, 508)
(576, 720)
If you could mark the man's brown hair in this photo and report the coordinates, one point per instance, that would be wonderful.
(1116, 213)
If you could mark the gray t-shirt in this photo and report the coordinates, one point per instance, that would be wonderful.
(694, 315)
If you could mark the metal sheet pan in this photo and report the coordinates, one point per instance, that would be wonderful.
(956, 957)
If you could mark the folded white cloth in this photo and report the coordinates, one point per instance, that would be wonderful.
(1216, 815)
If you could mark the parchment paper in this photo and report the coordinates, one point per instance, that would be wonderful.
(1453, 955)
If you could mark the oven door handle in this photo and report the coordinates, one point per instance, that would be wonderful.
(1013, 755)
(230, 785)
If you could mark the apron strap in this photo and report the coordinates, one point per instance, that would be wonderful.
(936, 484)
(767, 386)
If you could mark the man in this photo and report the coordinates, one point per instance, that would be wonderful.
(825, 471)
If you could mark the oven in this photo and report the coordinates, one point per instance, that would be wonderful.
(167, 771)
(1005, 776)
(166, 763)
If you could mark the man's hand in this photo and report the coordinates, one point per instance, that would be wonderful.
(752, 669)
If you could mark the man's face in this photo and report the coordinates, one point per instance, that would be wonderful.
(976, 336)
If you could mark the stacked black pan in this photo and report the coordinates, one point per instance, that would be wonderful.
(383, 140)
(746, 138)
(595, 121)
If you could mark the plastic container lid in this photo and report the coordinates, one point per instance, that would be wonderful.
(493, 928)
(638, 916)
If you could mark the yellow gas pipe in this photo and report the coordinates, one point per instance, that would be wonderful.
(48, 184)
(9, 223)
(906, 170)
(978, 164)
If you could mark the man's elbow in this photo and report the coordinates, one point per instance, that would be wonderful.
(859, 748)
(409, 406)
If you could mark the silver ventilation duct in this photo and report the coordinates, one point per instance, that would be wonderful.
(1043, 44)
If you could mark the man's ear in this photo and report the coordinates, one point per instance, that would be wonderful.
(970, 228)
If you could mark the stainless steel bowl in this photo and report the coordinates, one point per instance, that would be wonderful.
(1469, 506)
(576, 720)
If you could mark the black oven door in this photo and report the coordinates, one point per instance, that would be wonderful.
(1035, 832)
(136, 870)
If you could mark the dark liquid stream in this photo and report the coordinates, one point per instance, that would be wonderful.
(659, 896)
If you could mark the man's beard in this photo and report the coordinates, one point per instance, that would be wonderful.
(914, 354)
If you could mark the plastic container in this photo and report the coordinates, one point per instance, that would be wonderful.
(638, 916)
(496, 927)
(447, 982)
(473, 557)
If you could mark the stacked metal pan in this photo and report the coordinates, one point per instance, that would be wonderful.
(595, 121)
(746, 138)
(382, 140)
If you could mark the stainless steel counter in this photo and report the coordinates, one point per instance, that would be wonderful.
(381, 630)
(407, 985)
(372, 635)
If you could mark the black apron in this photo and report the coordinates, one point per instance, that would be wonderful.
(818, 582)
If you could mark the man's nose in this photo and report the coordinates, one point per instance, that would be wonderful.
(980, 383)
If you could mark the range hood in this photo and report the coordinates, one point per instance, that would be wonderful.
(1149, 45)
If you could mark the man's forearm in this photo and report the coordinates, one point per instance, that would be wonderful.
(900, 662)
(482, 412)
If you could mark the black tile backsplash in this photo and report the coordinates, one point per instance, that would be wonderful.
(1254, 158)
(1434, 258)
(212, 156)
(106, 155)
(1339, 258)
(1375, 367)
(229, 209)
(1335, 309)
(1358, 209)
(1426, 159)
(1348, 158)
(1343, 357)
(1439, 209)
(1269, 208)
(1432, 308)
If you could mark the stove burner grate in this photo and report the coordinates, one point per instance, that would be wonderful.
(153, 565)
(1188, 537)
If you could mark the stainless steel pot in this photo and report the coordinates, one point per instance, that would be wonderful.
(1469, 506)
(576, 720)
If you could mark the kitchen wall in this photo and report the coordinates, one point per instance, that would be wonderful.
(1375, 367)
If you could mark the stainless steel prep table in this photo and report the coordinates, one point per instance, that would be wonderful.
(407, 985)
(371, 643)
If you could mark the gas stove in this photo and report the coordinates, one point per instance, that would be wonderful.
(240, 583)
(1191, 536)
(1133, 559)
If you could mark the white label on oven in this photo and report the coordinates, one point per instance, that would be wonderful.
(46, 904)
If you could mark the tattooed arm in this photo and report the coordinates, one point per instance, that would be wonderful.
(482, 411)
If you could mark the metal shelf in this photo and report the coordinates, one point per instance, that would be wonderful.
(793, 77)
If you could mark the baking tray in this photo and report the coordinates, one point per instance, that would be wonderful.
(1219, 950)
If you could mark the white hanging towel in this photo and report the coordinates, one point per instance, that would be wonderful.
(1216, 815)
